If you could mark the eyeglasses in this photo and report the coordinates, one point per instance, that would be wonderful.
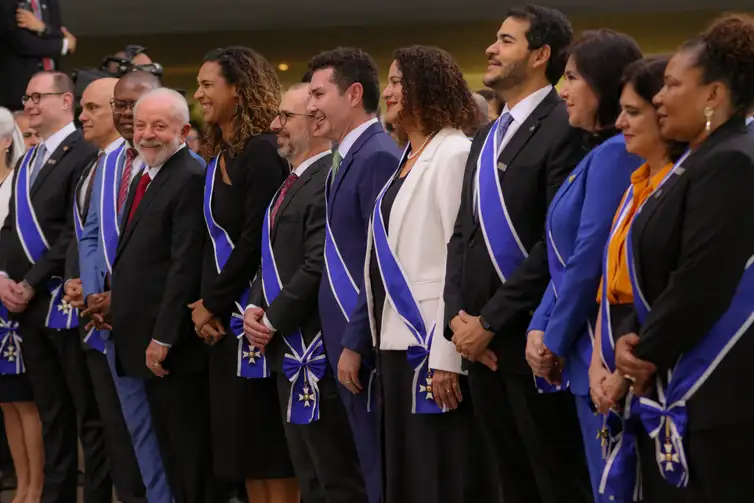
(121, 106)
(36, 97)
(283, 116)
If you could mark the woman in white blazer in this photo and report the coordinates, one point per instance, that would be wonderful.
(424, 419)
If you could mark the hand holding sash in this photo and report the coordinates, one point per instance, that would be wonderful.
(74, 293)
(638, 371)
(10, 297)
(349, 366)
(472, 339)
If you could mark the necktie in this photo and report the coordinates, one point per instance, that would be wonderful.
(139, 195)
(287, 184)
(502, 128)
(91, 177)
(125, 178)
(47, 63)
(39, 161)
(336, 158)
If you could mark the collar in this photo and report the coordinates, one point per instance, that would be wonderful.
(299, 170)
(351, 137)
(749, 120)
(114, 145)
(525, 107)
(53, 142)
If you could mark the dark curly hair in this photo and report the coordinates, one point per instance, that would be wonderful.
(350, 66)
(435, 94)
(725, 53)
(258, 98)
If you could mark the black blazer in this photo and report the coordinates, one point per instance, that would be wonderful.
(255, 175)
(52, 197)
(21, 51)
(156, 273)
(691, 243)
(298, 241)
(532, 166)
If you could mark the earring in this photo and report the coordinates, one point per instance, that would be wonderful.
(235, 112)
(708, 113)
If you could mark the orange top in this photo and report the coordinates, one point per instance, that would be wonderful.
(618, 281)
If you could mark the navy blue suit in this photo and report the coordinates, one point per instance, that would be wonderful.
(578, 225)
(363, 172)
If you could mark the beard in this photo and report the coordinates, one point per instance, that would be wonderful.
(157, 153)
(511, 75)
(294, 146)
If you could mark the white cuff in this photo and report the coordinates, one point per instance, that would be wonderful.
(250, 306)
(161, 343)
(4, 274)
(64, 51)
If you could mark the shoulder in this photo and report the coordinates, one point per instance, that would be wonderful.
(260, 154)
(614, 151)
(453, 141)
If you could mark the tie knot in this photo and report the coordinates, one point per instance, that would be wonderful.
(131, 153)
(291, 179)
(336, 158)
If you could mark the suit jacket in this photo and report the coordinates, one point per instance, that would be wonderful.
(363, 172)
(21, 51)
(420, 225)
(691, 243)
(578, 224)
(298, 242)
(51, 196)
(72, 269)
(157, 270)
(531, 167)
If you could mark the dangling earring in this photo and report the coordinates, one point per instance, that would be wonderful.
(708, 113)
(235, 111)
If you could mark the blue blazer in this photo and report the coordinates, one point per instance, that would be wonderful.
(578, 223)
(371, 160)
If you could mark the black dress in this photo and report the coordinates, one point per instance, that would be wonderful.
(247, 429)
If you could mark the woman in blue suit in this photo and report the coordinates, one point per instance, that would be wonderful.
(559, 345)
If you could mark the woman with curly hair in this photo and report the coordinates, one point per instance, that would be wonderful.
(425, 419)
(687, 351)
(239, 94)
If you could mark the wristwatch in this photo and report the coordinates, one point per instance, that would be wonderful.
(485, 324)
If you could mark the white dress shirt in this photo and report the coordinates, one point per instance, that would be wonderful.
(101, 158)
(350, 139)
(53, 142)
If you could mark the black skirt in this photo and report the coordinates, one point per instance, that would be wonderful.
(424, 455)
(15, 388)
(248, 439)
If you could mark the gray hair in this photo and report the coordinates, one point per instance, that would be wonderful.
(176, 100)
(481, 102)
(9, 128)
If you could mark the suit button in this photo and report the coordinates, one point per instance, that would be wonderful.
(472, 243)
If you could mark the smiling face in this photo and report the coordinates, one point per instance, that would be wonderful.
(329, 107)
(158, 130)
(638, 121)
(293, 126)
(127, 93)
(393, 95)
(54, 109)
(215, 95)
(508, 56)
(581, 101)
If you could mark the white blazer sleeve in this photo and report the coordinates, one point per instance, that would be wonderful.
(448, 185)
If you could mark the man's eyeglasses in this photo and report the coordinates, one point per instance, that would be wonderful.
(121, 106)
(283, 116)
(36, 97)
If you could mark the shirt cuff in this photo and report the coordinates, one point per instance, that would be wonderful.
(250, 306)
(64, 51)
(161, 343)
(4, 274)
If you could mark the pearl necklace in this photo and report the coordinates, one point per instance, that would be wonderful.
(411, 155)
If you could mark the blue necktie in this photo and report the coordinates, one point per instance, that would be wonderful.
(502, 127)
(38, 163)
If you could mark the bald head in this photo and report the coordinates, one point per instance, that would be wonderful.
(96, 113)
(128, 90)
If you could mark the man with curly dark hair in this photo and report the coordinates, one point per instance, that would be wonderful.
(344, 97)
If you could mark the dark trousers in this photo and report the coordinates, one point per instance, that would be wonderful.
(64, 396)
(535, 439)
(125, 469)
(323, 452)
(180, 416)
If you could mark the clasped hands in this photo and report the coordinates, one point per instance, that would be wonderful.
(15, 296)
(543, 362)
(471, 340)
(28, 21)
(206, 325)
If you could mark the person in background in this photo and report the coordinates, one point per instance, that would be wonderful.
(23, 428)
(482, 116)
(345, 96)
(31, 137)
(194, 140)
(239, 94)
(494, 103)
(559, 341)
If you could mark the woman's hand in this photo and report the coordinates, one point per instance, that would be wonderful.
(632, 368)
(598, 374)
(200, 316)
(614, 389)
(446, 389)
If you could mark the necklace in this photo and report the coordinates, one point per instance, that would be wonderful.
(411, 155)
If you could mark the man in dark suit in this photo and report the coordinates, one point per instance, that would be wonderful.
(33, 260)
(31, 39)
(345, 94)
(156, 275)
(287, 324)
(489, 297)
(99, 129)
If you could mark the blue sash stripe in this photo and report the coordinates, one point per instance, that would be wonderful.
(251, 363)
(342, 285)
(11, 359)
(399, 295)
(108, 210)
(304, 366)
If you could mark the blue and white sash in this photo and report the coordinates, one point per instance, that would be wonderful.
(251, 363)
(305, 365)
(398, 292)
(343, 286)
(108, 210)
(11, 359)
(60, 314)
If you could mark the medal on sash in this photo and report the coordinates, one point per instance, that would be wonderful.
(11, 360)
(252, 364)
(60, 314)
(398, 293)
(304, 366)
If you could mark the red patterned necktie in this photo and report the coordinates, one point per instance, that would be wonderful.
(287, 184)
(125, 178)
(47, 63)
(139, 195)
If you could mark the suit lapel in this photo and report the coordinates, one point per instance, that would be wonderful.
(154, 188)
(526, 130)
(348, 159)
(55, 158)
